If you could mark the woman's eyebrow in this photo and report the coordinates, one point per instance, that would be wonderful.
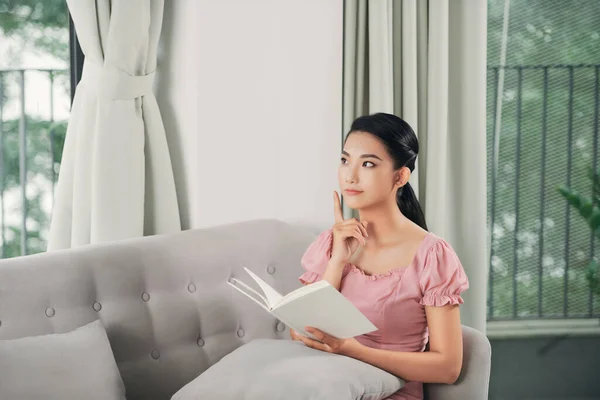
(364, 156)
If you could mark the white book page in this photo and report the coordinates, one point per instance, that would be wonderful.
(327, 310)
(273, 297)
(302, 291)
(246, 287)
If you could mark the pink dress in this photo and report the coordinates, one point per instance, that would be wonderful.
(394, 301)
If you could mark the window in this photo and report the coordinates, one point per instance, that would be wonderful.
(35, 98)
(542, 132)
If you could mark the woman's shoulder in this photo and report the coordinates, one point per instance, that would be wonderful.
(438, 259)
(435, 244)
(325, 236)
(316, 256)
(442, 277)
(321, 243)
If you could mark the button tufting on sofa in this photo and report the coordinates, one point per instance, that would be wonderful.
(271, 269)
(191, 288)
(97, 306)
(163, 264)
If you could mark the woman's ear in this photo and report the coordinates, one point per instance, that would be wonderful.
(402, 176)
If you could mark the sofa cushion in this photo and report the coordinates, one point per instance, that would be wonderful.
(285, 369)
(73, 365)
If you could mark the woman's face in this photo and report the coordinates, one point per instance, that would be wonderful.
(366, 174)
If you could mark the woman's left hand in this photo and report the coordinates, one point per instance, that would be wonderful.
(326, 342)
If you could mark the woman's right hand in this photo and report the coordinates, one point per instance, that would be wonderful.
(294, 335)
(347, 234)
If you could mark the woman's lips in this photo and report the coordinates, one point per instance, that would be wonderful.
(352, 192)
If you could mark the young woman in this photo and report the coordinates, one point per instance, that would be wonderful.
(405, 279)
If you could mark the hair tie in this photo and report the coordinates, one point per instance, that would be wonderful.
(408, 162)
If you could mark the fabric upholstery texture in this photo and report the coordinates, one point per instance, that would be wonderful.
(285, 369)
(164, 300)
(60, 366)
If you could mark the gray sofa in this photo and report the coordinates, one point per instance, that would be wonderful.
(167, 309)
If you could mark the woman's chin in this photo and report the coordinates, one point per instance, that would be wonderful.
(360, 204)
(353, 203)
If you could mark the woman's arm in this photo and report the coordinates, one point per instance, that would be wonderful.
(333, 273)
(441, 364)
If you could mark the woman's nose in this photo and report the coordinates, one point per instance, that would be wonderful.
(350, 178)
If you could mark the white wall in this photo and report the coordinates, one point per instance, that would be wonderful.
(251, 96)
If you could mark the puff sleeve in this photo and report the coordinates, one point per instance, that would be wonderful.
(443, 278)
(316, 257)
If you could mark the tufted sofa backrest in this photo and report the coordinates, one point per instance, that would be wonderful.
(164, 301)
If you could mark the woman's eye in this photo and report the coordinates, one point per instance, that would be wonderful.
(367, 164)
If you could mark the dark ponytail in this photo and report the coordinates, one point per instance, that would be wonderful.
(402, 145)
(409, 205)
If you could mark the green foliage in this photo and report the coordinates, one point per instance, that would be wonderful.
(593, 276)
(545, 31)
(536, 241)
(17, 16)
(40, 25)
(43, 138)
(589, 209)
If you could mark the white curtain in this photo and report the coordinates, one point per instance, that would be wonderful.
(115, 179)
(425, 61)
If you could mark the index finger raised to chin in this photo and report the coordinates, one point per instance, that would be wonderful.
(337, 208)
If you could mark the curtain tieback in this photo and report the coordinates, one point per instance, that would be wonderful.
(115, 84)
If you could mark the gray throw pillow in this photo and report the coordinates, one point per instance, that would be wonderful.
(60, 366)
(284, 369)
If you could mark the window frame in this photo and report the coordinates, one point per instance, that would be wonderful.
(76, 58)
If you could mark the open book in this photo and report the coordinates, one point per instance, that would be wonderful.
(319, 305)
